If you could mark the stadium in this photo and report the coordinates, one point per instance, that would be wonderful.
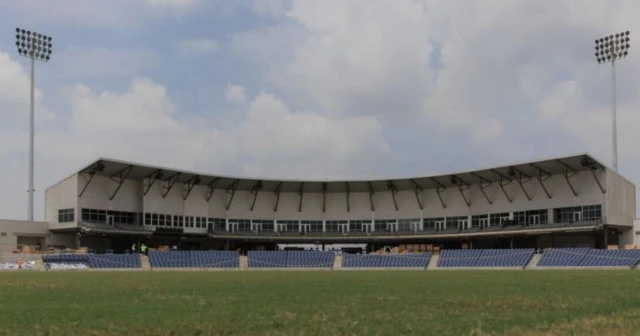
(112, 206)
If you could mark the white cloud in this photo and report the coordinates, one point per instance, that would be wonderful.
(197, 47)
(235, 94)
(82, 62)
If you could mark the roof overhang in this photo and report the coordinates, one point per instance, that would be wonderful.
(136, 171)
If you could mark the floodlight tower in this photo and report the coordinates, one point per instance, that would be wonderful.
(36, 47)
(609, 49)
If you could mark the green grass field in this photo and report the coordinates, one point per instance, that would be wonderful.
(321, 303)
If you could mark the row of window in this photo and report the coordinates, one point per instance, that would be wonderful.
(530, 217)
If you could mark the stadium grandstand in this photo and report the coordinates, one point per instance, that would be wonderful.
(574, 208)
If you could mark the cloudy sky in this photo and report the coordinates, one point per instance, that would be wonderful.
(312, 88)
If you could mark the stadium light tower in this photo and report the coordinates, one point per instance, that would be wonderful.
(609, 49)
(36, 47)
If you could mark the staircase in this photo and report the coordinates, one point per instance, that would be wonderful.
(337, 262)
(144, 261)
(38, 265)
(244, 263)
(433, 262)
(534, 260)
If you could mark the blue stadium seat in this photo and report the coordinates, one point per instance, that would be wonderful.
(196, 259)
(114, 261)
(410, 260)
(290, 259)
(563, 257)
(485, 258)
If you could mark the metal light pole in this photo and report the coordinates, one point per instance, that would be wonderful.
(36, 47)
(609, 49)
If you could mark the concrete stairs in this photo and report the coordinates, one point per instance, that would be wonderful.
(337, 262)
(433, 262)
(144, 261)
(244, 263)
(534, 261)
(38, 265)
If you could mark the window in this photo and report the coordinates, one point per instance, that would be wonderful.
(334, 226)
(567, 215)
(479, 221)
(412, 224)
(198, 222)
(154, 219)
(315, 226)
(220, 224)
(147, 219)
(66, 215)
(432, 224)
(498, 219)
(161, 220)
(178, 221)
(592, 212)
(382, 225)
(94, 216)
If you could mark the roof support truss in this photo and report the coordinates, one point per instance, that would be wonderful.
(301, 193)
(462, 187)
(211, 187)
(255, 191)
(188, 187)
(371, 192)
(484, 183)
(277, 192)
(417, 189)
(324, 197)
(595, 177)
(522, 178)
(119, 177)
(542, 176)
(97, 167)
(439, 187)
(150, 180)
(394, 191)
(170, 181)
(504, 181)
(568, 174)
(348, 194)
(232, 191)
(593, 167)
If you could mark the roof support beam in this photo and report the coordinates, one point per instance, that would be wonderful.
(211, 187)
(439, 187)
(324, 197)
(171, 181)
(95, 168)
(542, 176)
(484, 183)
(462, 187)
(255, 190)
(371, 192)
(188, 187)
(593, 167)
(348, 206)
(394, 190)
(522, 178)
(119, 177)
(504, 181)
(568, 174)
(301, 193)
(149, 180)
(277, 192)
(417, 189)
(232, 192)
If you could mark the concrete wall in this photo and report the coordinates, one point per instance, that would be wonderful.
(13, 233)
(63, 195)
(360, 207)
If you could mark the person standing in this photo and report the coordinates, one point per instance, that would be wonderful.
(143, 249)
(133, 248)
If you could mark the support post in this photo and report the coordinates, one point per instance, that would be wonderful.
(31, 140)
(211, 187)
(171, 181)
(150, 180)
(484, 183)
(277, 192)
(568, 174)
(371, 192)
(189, 187)
(462, 187)
(324, 197)
(417, 189)
(301, 193)
(439, 187)
(504, 181)
(232, 191)
(522, 178)
(91, 175)
(255, 190)
(542, 176)
(348, 206)
(119, 177)
(392, 188)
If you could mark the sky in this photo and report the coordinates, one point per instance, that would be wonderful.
(312, 88)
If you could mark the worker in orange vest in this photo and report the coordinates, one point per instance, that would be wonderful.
(19, 263)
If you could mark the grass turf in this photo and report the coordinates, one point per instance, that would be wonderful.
(326, 303)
